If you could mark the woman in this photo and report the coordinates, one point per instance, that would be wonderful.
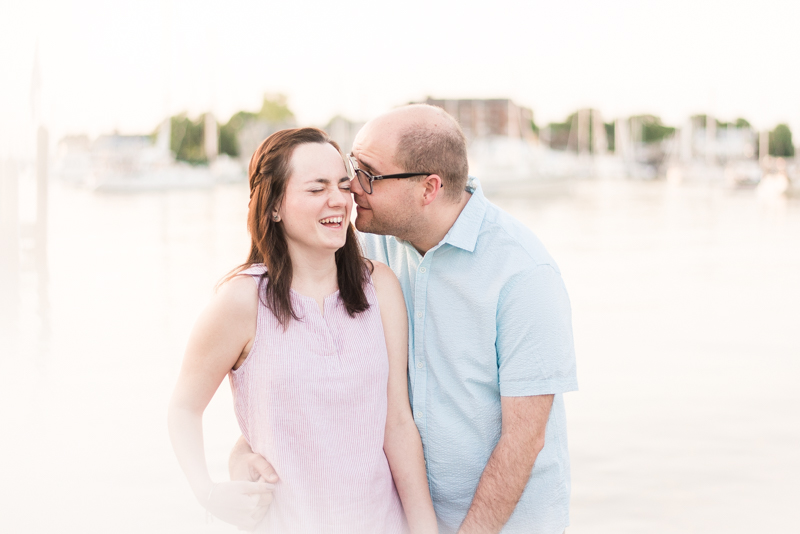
(314, 338)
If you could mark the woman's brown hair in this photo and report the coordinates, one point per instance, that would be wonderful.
(270, 169)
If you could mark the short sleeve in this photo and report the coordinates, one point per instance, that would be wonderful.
(535, 349)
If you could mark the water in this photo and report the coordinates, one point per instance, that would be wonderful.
(686, 319)
(685, 304)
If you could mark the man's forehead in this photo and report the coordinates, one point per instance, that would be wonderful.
(375, 146)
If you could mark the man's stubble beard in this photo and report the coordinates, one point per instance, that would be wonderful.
(400, 224)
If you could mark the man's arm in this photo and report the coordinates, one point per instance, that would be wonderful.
(536, 359)
(524, 420)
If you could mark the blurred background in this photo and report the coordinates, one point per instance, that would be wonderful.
(648, 144)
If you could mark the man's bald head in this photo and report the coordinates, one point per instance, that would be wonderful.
(429, 140)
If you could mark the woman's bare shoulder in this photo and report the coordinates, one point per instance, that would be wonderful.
(382, 274)
(227, 324)
(387, 287)
(237, 296)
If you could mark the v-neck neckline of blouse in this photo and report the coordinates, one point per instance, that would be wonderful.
(312, 299)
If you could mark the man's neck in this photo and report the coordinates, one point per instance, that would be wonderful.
(441, 220)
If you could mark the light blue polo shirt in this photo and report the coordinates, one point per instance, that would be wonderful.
(488, 316)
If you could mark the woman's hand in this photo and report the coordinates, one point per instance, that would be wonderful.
(239, 503)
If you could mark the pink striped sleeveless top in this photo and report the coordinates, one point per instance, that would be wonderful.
(312, 400)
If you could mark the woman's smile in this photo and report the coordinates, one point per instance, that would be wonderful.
(332, 222)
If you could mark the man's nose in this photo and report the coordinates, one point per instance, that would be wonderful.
(355, 187)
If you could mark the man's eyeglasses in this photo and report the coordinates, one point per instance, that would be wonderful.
(365, 179)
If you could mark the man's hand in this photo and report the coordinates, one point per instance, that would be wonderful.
(239, 503)
(246, 465)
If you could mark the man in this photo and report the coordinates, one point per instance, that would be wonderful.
(490, 335)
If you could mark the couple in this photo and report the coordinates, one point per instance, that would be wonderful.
(420, 396)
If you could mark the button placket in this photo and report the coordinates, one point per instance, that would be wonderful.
(322, 318)
(420, 295)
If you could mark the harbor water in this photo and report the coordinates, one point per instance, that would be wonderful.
(686, 309)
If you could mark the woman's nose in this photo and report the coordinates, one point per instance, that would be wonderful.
(337, 197)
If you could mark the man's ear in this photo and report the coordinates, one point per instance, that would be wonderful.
(431, 186)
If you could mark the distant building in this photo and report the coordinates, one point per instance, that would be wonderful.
(496, 117)
(343, 131)
(725, 144)
(253, 132)
(126, 163)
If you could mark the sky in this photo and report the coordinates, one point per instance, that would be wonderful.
(124, 66)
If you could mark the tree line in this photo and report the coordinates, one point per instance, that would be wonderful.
(187, 135)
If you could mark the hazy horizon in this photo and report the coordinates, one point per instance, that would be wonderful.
(126, 66)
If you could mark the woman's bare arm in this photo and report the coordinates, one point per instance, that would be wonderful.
(402, 443)
(221, 337)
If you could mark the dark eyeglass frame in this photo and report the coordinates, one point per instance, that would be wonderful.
(364, 175)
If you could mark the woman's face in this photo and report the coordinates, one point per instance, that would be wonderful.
(316, 207)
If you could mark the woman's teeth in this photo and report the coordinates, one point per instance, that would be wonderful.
(332, 220)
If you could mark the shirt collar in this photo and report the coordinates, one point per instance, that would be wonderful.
(464, 232)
